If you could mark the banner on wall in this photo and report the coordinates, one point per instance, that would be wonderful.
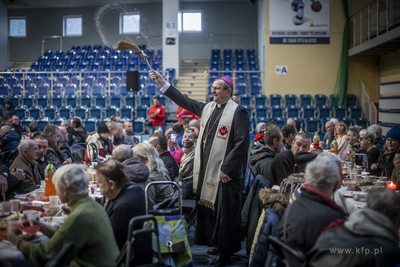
(299, 22)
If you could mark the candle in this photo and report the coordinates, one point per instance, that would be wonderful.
(391, 186)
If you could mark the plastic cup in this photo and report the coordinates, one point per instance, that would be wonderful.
(53, 201)
(6, 207)
(42, 184)
(370, 178)
(383, 178)
(357, 177)
(14, 205)
(33, 217)
(351, 186)
(39, 193)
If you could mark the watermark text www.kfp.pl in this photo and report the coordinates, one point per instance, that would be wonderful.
(356, 250)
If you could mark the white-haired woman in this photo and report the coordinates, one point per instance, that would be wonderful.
(149, 156)
(87, 226)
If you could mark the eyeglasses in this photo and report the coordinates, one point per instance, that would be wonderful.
(362, 138)
(339, 127)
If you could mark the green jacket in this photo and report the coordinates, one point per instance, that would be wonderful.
(89, 228)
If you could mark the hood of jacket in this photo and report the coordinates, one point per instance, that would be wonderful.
(271, 199)
(260, 151)
(136, 170)
(372, 223)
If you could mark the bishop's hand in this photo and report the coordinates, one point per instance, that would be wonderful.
(223, 177)
(157, 77)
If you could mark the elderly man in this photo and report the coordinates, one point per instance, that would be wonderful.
(43, 145)
(160, 142)
(187, 162)
(9, 179)
(195, 123)
(135, 170)
(219, 166)
(119, 136)
(314, 210)
(289, 132)
(379, 141)
(353, 137)
(129, 134)
(27, 154)
(283, 164)
(71, 132)
(369, 238)
(65, 149)
(52, 134)
(33, 130)
(8, 120)
(329, 136)
(9, 139)
(99, 144)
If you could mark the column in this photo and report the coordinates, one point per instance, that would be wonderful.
(170, 35)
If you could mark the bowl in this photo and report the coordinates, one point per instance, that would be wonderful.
(370, 178)
(351, 186)
(383, 178)
(51, 211)
(379, 183)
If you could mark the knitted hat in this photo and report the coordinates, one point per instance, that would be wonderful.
(394, 133)
(102, 128)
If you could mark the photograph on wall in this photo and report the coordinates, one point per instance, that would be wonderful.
(299, 22)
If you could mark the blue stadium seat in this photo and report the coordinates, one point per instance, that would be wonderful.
(290, 100)
(299, 121)
(276, 111)
(262, 119)
(151, 89)
(305, 100)
(311, 125)
(95, 111)
(140, 125)
(31, 89)
(347, 120)
(57, 121)
(320, 100)
(261, 111)
(100, 100)
(17, 89)
(89, 80)
(115, 100)
(26, 121)
(339, 111)
(130, 99)
(249, 110)
(141, 111)
(84, 89)
(362, 122)
(71, 100)
(56, 100)
(2, 80)
(355, 111)
(70, 89)
(12, 80)
(351, 100)
(86, 100)
(28, 100)
(42, 122)
(333, 100)
(35, 112)
(43, 89)
(260, 99)
(50, 112)
(255, 88)
(163, 99)
(111, 110)
(97, 89)
(126, 111)
(280, 121)
(292, 111)
(4, 89)
(245, 100)
(308, 111)
(90, 124)
(21, 111)
(145, 100)
(274, 99)
(63, 80)
(324, 111)
(65, 111)
(80, 111)
(241, 88)
(15, 99)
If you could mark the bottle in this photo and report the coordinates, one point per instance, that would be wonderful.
(351, 154)
(50, 188)
(334, 146)
(301, 130)
(315, 143)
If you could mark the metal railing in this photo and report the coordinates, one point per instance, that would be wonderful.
(367, 105)
(50, 37)
(379, 17)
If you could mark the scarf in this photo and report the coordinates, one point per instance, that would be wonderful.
(389, 154)
(188, 154)
(217, 154)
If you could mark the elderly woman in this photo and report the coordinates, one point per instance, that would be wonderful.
(149, 156)
(367, 141)
(353, 141)
(385, 163)
(125, 201)
(340, 136)
(87, 226)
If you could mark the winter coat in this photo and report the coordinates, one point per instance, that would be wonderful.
(162, 191)
(129, 139)
(260, 161)
(32, 175)
(9, 142)
(252, 210)
(282, 166)
(369, 238)
(65, 150)
(98, 142)
(55, 157)
(170, 164)
(384, 165)
(307, 217)
(138, 174)
(379, 142)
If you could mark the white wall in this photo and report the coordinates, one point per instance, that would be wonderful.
(236, 18)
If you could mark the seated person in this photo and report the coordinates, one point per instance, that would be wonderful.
(9, 179)
(52, 134)
(396, 171)
(33, 130)
(160, 143)
(119, 136)
(17, 128)
(65, 148)
(87, 226)
(77, 132)
(27, 154)
(129, 136)
(178, 129)
(353, 138)
(99, 144)
(135, 170)
(187, 164)
(9, 139)
(149, 156)
(314, 209)
(370, 235)
(125, 201)
(43, 144)
(367, 141)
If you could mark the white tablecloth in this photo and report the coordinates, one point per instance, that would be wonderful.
(348, 204)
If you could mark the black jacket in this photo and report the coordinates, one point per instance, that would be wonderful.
(282, 166)
(260, 161)
(379, 142)
(65, 150)
(386, 166)
(12, 181)
(129, 203)
(307, 218)
(170, 164)
(9, 142)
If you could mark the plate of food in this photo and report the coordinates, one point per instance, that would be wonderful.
(348, 194)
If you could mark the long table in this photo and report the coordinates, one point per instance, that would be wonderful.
(348, 204)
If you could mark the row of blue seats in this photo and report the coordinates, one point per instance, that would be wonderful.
(305, 112)
(227, 54)
(100, 47)
(227, 60)
(108, 66)
(84, 100)
(313, 125)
